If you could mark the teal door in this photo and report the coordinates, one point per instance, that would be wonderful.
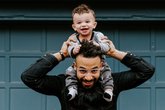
(21, 44)
(30, 28)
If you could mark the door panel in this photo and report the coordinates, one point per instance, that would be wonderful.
(22, 44)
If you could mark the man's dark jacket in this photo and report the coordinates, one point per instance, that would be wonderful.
(37, 79)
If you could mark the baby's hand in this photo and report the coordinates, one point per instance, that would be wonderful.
(76, 49)
(95, 43)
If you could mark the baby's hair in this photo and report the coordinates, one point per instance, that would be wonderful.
(83, 8)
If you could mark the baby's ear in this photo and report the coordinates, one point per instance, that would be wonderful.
(73, 26)
(95, 24)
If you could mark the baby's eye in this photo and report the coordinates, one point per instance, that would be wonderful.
(78, 22)
(87, 21)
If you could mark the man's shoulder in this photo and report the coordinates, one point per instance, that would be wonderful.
(62, 76)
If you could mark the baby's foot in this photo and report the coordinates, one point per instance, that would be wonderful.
(72, 94)
(108, 95)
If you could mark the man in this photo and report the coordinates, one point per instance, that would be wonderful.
(88, 65)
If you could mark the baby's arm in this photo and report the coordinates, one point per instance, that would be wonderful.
(76, 49)
(105, 47)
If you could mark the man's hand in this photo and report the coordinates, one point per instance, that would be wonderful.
(104, 37)
(113, 52)
(72, 38)
(64, 48)
(66, 44)
(111, 45)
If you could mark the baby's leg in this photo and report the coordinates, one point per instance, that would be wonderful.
(71, 83)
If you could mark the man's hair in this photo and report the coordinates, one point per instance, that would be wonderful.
(82, 9)
(89, 50)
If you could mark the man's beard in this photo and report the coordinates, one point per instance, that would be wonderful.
(89, 99)
(90, 95)
(82, 80)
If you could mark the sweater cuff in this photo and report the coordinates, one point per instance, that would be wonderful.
(128, 59)
(51, 58)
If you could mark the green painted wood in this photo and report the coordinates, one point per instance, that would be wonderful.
(29, 31)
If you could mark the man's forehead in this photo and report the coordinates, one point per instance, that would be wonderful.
(85, 62)
(81, 57)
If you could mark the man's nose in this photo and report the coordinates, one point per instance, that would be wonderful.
(88, 77)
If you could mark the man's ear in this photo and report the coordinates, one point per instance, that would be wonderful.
(73, 26)
(74, 65)
(101, 66)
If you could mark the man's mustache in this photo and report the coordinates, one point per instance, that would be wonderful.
(83, 80)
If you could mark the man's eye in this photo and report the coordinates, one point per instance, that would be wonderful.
(94, 71)
(83, 71)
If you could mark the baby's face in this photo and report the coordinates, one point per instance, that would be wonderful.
(84, 23)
